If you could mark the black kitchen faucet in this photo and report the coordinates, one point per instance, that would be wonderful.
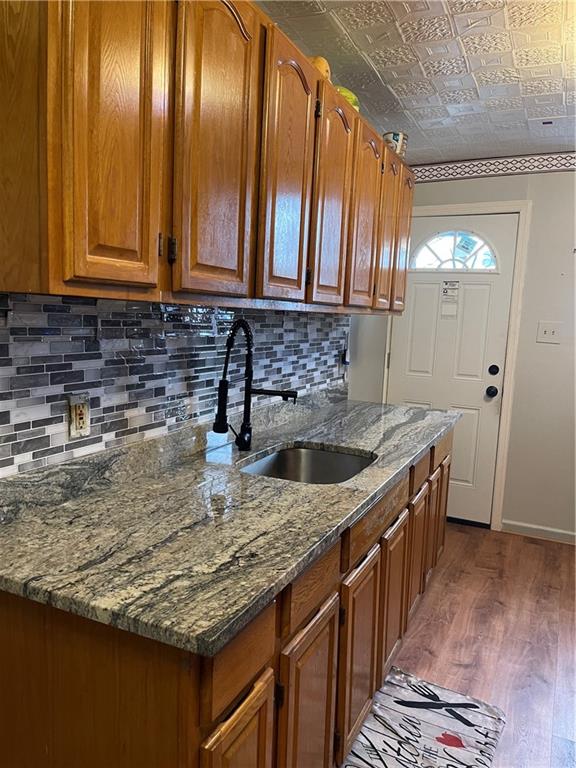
(244, 437)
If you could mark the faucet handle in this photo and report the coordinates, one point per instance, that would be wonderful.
(221, 421)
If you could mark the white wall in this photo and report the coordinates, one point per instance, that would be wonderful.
(539, 492)
(367, 358)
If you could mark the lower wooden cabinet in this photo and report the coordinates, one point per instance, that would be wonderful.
(307, 705)
(358, 653)
(393, 589)
(432, 522)
(246, 739)
(443, 504)
(418, 508)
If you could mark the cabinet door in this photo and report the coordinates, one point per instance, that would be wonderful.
(432, 521)
(443, 504)
(116, 68)
(308, 676)
(418, 508)
(403, 239)
(288, 156)
(245, 740)
(393, 587)
(387, 229)
(218, 95)
(358, 650)
(364, 210)
(331, 198)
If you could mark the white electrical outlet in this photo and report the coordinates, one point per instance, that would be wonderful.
(79, 415)
(549, 332)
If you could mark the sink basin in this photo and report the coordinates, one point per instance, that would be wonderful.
(310, 465)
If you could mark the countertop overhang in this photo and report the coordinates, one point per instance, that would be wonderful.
(170, 540)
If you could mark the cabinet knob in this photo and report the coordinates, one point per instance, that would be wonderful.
(491, 391)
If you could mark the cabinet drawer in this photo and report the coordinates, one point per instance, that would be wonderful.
(439, 451)
(305, 595)
(358, 539)
(419, 473)
(226, 675)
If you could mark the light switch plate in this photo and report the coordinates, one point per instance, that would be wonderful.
(549, 332)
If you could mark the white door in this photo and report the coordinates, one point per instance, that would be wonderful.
(448, 349)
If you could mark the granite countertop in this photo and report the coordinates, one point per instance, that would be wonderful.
(170, 540)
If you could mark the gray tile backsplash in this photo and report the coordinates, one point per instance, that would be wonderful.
(148, 368)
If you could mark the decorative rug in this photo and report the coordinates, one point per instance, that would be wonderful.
(415, 724)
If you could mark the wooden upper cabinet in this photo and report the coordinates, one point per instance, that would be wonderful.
(387, 230)
(287, 165)
(403, 238)
(218, 101)
(357, 664)
(245, 740)
(331, 198)
(364, 216)
(308, 678)
(115, 64)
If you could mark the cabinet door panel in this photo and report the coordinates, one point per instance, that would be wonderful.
(308, 675)
(216, 148)
(443, 505)
(393, 581)
(358, 649)
(364, 210)
(403, 239)
(418, 509)
(331, 199)
(432, 521)
(245, 740)
(115, 63)
(288, 155)
(387, 230)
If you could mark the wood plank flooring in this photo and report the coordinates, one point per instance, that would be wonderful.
(497, 622)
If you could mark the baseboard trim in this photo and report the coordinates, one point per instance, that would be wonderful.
(473, 523)
(539, 531)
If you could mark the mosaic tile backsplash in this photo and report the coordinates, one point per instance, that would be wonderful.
(148, 368)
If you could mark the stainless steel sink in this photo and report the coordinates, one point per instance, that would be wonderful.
(310, 465)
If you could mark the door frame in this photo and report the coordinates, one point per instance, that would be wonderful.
(524, 210)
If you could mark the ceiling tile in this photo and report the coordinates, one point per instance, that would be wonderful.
(427, 29)
(534, 14)
(446, 66)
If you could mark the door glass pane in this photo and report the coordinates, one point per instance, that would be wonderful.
(454, 250)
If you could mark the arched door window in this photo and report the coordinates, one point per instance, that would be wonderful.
(454, 250)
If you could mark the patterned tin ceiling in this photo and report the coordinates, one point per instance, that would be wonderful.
(463, 78)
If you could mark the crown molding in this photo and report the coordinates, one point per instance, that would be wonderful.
(496, 166)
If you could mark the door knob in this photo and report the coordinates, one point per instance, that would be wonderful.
(491, 391)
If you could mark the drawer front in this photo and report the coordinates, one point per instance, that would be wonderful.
(230, 672)
(442, 448)
(358, 539)
(419, 473)
(305, 595)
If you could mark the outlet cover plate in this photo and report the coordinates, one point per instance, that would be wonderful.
(549, 332)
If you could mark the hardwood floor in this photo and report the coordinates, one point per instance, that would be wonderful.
(497, 622)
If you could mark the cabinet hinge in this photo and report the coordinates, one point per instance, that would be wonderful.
(279, 695)
(308, 276)
(172, 250)
(382, 169)
(337, 740)
(342, 616)
(318, 109)
(160, 245)
(388, 360)
(374, 290)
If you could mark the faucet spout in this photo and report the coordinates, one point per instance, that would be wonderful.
(221, 425)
